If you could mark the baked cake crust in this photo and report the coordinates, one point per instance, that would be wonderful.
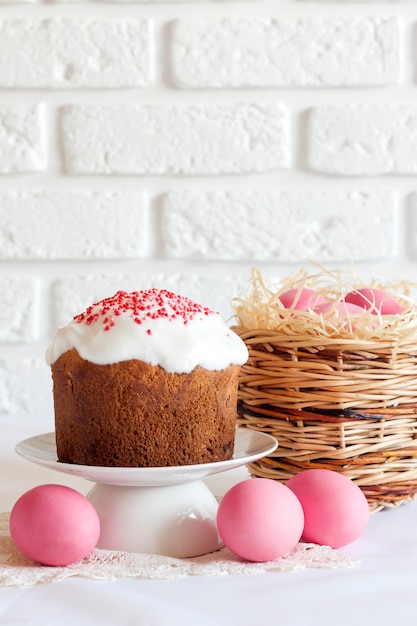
(133, 414)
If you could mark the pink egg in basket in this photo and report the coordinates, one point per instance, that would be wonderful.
(300, 299)
(377, 300)
(260, 519)
(343, 314)
(342, 310)
(336, 511)
(54, 525)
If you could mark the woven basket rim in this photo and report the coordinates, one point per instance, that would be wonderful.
(287, 341)
(332, 374)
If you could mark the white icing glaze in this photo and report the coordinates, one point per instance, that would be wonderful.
(155, 326)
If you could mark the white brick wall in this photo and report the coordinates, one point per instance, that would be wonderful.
(178, 144)
(268, 52)
(18, 309)
(161, 140)
(62, 52)
(249, 225)
(22, 138)
(363, 140)
(72, 224)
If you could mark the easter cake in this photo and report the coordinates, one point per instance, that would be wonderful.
(145, 379)
(332, 374)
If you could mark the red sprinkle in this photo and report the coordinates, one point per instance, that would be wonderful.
(150, 304)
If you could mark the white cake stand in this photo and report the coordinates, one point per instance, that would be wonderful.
(154, 510)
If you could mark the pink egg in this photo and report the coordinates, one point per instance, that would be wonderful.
(341, 309)
(54, 525)
(377, 300)
(260, 519)
(343, 314)
(300, 299)
(336, 511)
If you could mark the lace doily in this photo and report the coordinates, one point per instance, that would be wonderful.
(17, 570)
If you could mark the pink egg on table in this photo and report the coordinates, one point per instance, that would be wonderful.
(260, 519)
(336, 511)
(300, 299)
(54, 525)
(377, 300)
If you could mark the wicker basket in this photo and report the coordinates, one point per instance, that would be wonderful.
(345, 405)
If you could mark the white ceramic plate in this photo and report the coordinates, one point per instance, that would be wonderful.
(249, 446)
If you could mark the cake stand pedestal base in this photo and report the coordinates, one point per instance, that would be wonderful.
(167, 511)
(170, 520)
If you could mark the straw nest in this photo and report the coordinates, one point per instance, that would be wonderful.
(337, 392)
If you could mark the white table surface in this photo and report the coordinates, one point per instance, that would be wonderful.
(381, 590)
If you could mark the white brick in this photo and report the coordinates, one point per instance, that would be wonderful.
(22, 139)
(74, 294)
(26, 390)
(279, 226)
(268, 52)
(18, 309)
(413, 224)
(63, 52)
(144, 1)
(363, 139)
(81, 224)
(360, 1)
(212, 139)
